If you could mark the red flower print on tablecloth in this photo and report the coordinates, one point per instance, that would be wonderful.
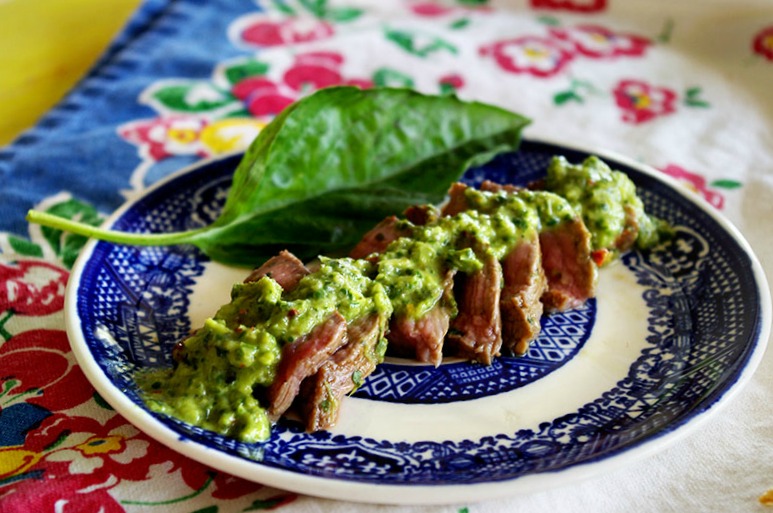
(38, 368)
(263, 96)
(262, 30)
(763, 43)
(570, 5)
(288, 24)
(315, 70)
(32, 287)
(80, 457)
(72, 493)
(38, 376)
(116, 448)
(546, 56)
(163, 137)
(450, 83)
(166, 136)
(699, 184)
(310, 71)
(225, 486)
(432, 9)
(208, 118)
(226, 113)
(597, 42)
(535, 55)
(640, 101)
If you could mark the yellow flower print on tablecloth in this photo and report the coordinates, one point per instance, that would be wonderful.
(230, 134)
(16, 460)
(171, 135)
(86, 452)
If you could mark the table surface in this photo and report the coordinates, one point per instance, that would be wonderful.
(686, 87)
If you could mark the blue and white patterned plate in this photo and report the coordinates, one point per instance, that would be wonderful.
(670, 336)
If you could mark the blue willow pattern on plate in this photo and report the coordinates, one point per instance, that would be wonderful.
(702, 313)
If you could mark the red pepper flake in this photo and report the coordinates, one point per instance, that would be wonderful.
(292, 313)
(600, 256)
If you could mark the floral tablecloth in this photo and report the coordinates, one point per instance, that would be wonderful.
(686, 87)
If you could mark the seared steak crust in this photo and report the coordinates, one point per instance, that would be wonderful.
(421, 214)
(284, 268)
(379, 237)
(490, 186)
(457, 202)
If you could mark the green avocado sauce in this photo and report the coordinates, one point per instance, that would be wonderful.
(234, 355)
(413, 269)
(601, 196)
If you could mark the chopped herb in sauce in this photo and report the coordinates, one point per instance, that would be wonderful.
(607, 201)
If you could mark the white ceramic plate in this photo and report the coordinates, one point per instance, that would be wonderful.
(671, 335)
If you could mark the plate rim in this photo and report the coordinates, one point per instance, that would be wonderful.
(367, 492)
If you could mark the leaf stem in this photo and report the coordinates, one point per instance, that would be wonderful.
(87, 230)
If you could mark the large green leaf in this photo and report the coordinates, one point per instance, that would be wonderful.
(332, 165)
(343, 159)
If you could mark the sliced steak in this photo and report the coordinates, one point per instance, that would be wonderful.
(284, 268)
(303, 358)
(457, 200)
(524, 285)
(323, 392)
(567, 260)
(476, 332)
(422, 338)
(569, 266)
(421, 215)
(379, 237)
(630, 233)
(490, 186)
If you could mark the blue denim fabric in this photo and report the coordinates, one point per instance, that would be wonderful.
(75, 146)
